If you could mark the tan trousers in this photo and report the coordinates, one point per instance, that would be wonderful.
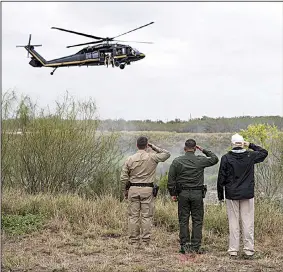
(241, 210)
(141, 208)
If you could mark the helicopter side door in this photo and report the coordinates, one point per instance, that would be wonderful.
(114, 52)
(100, 56)
(128, 51)
(119, 52)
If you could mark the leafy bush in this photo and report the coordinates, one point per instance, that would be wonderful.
(57, 151)
(269, 174)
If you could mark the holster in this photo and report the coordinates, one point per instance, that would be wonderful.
(204, 190)
(128, 185)
(155, 190)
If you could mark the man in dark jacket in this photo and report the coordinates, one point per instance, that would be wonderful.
(236, 174)
(186, 180)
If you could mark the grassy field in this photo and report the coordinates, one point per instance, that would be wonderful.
(65, 232)
(68, 233)
(45, 154)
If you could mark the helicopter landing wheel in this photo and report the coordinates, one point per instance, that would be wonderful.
(117, 63)
(53, 71)
(122, 66)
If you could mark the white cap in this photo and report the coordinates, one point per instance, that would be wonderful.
(237, 139)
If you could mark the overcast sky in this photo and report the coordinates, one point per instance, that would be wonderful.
(213, 59)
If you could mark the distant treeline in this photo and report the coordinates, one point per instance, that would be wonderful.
(200, 125)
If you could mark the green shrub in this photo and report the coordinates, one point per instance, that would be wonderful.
(58, 151)
(268, 174)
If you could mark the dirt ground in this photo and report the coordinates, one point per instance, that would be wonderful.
(55, 251)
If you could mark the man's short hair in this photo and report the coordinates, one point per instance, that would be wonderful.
(191, 143)
(142, 142)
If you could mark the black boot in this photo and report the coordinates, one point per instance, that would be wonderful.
(182, 250)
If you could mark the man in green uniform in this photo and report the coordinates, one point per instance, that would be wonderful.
(137, 176)
(186, 183)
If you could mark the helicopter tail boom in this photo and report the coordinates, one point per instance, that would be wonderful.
(37, 60)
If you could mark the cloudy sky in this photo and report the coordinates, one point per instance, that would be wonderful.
(213, 59)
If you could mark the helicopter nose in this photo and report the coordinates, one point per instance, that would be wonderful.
(141, 55)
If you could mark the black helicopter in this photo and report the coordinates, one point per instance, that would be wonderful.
(103, 53)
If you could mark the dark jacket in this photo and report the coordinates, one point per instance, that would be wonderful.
(236, 172)
(188, 170)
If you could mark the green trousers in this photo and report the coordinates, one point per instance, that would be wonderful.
(190, 202)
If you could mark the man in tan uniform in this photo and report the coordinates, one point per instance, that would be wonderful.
(138, 174)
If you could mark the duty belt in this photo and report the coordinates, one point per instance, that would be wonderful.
(192, 188)
(141, 184)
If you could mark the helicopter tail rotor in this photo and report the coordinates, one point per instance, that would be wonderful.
(29, 46)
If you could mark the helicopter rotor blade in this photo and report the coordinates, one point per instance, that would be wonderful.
(132, 41)
(84, 43)
(29, 44)
(78, 33)
(29, 39)
(132, 30)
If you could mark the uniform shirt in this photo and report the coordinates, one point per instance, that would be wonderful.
(188, 170)
(141, 167)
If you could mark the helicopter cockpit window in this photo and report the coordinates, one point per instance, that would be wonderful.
(134, 51)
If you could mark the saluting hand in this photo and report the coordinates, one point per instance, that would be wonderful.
(199, 148)
(151, 146)
(247, 144)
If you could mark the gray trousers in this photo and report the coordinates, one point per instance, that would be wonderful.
(241, 210)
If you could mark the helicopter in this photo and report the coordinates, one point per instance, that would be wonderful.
(103, 51)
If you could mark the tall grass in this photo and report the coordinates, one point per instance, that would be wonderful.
(59, 150)
(107, 213)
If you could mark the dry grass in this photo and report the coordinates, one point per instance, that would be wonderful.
(84, 235)
(65, 251)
